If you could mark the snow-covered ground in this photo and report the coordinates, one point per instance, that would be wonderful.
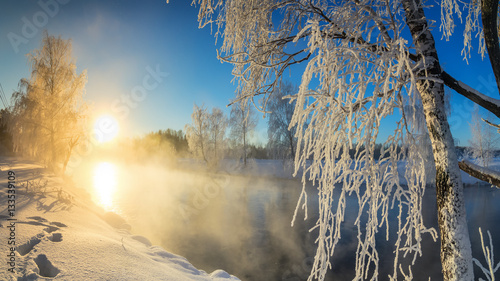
(64, 236)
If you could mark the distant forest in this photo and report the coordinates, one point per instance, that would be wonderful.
(173, 143)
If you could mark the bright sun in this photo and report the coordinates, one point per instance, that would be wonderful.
(106, 128)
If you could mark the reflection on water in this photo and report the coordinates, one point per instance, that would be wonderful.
(105, 184)
(242, 224)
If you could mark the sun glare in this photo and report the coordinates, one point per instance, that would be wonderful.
(105, 184)
(106, 128)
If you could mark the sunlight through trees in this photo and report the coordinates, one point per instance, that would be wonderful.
(48, 118)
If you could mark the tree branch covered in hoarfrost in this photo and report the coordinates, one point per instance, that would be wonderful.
(355, 54)
(486, 102)
(490, 269)
(358, 71)
(482, 173)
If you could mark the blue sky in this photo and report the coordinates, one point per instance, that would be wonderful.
(118, 41)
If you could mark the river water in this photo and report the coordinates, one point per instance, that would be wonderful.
(242, 224)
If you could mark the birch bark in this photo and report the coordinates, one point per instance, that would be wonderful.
(456, 257)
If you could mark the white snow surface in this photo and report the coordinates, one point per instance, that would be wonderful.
(57, 240)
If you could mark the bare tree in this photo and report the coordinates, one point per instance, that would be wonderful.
(483, 140)
(217, 129)
(48, 118)
(197, 134)
(360, 67)
(281, 134)
(242, 122)
(206, 136)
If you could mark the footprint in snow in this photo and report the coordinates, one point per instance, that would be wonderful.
(50, 229)
(55, 237)
(25, 248)
(45, 267)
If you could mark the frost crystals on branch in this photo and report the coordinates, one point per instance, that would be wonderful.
(361, 65)
(490, 269)
(357, 69)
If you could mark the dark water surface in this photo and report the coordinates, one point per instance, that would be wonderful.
(242, 224)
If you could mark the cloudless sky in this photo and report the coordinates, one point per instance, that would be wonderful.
(117, 41)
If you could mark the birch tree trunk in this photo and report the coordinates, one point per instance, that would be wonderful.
(456, 257)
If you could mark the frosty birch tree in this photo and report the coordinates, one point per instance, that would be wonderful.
(359, 69)
(281, 135)
(206, 136)
(48, 118)
(217, 129)
(242, 122)
(197, 133)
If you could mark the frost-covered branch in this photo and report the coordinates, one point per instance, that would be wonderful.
(489, 257)
(491, 124)
(359, 70)
(481, 173)
(488, 103)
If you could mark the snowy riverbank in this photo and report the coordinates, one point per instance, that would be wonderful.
(60, 234)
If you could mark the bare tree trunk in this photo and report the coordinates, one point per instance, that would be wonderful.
(489, 15)
(52, 157)
(215, 147)
(71, 145)
(456, 257)
(244, 145)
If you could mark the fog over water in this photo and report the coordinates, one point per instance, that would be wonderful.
(242, 224)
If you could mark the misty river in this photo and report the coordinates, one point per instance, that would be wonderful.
(242, 224)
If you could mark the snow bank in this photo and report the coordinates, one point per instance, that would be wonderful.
(60, 234)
